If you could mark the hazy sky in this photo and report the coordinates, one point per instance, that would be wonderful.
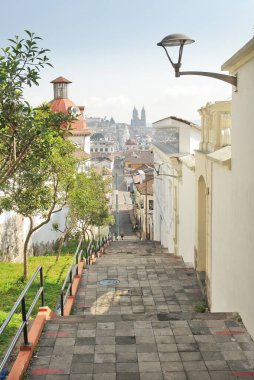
(107, 48)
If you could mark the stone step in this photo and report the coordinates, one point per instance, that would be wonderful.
(207, 316)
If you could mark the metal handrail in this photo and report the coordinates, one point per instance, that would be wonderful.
(73, 270)
(25, 314)
(66, 289)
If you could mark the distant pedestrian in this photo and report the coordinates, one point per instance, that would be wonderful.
(122, 235)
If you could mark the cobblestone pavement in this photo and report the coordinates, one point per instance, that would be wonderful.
(144, 327)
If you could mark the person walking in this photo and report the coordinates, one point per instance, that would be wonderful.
(122, 235)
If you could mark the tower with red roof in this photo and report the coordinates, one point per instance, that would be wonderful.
(79, 133)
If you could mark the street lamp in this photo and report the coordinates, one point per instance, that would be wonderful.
(181, 40)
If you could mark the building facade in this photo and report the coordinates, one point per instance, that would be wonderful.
(174, 180)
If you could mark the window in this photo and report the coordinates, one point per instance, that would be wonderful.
(101, 149)
(106, 149)
(150, 204)
(91, 150)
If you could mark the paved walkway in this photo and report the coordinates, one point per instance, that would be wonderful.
(144, 327)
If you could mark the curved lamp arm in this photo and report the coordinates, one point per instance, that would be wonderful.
(225, 78)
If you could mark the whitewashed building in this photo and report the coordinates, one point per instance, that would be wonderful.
(232, 280)
(174, 184)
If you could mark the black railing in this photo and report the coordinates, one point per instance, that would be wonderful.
(73, 271)
(93, 247)
(25, 315)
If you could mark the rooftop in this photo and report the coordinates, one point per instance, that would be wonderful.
(60, 80)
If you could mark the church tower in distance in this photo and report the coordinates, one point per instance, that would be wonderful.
(136, 121)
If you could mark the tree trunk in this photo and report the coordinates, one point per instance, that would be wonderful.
(29, 234)
(61, 244)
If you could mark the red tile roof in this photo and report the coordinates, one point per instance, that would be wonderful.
(60, 80)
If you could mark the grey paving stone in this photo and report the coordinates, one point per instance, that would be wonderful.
(82, 368)
(233, 355)
(174, 376)
(167, 347)
(169, 356)
(104, 376)
(125, 357)
(220, 375)
(145, 339)
(208, 347)
(148, 357)
(240, 365)
(87, 341)
(149, 347)
(126, 348)
(83, 350)
(105, 340)
(80, 377)
(196, 365)
(217, 365)
(212, 355)
(164, 339)
(125, 339)
(145, 366)
(198, 375)
(104, 368)
(172, 366)
(184, 339)
(151, 376)
(65, 342)
(127, 376)
(104, 358)
(127, 367)
(187, 347)
(105, 349)
(83, 358)
(190, 356)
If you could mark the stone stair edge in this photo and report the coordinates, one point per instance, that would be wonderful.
(158, 317)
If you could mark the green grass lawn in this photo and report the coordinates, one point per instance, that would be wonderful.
(11, 285)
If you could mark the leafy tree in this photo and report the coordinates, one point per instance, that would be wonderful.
(20, 124)
(41, 183)
(88, 205)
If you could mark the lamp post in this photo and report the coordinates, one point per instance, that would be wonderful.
(181, 40)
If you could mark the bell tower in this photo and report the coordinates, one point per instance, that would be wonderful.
(60, 87)
(143, 117)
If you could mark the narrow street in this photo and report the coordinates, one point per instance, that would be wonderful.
(124, 205)
(141, 324)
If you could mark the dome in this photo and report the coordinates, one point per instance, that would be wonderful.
(65, 106)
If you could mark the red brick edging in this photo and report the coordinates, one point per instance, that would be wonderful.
(26, 352)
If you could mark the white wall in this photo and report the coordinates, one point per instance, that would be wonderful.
(163, 208)
(187, 215)
(46, 234)
(233, 211)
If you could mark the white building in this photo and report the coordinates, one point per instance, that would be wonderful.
(174, 184)
(232, 260)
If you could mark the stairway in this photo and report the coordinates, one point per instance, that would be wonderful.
(141, 324)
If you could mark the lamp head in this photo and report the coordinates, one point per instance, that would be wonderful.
(176, 39)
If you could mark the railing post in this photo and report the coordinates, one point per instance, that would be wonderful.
(25, 333)
(70, 279)
(62, 304)
(42, 286)
(77, 264)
